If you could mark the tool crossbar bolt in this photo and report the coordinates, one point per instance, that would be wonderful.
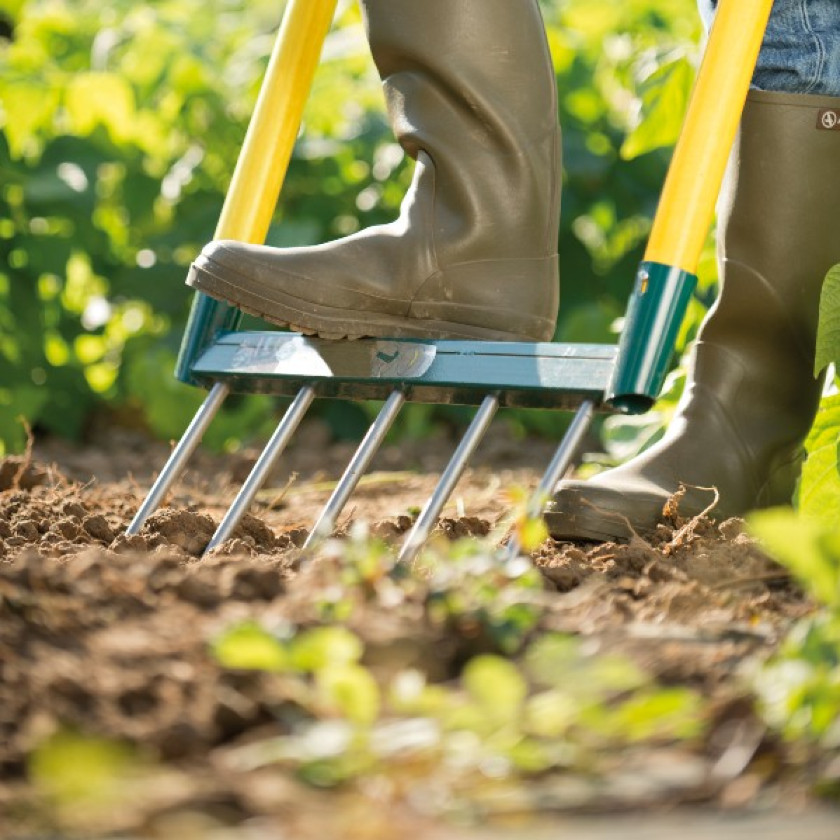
(273, 449)
(180, 455)
(356, 469)
(560, 462)
(428, 516)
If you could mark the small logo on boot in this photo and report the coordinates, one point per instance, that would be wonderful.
(828, 119)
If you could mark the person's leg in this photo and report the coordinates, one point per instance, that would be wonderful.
(800, 52)
(471, 96)
(751, 394)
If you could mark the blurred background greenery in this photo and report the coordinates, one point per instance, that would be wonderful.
(121, 123)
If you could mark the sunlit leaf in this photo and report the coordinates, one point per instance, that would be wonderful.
(11, 7)
(325, 647)
(73, 768)
(101, 99)
(27, 108)
(663, 103)
(660, 713)
(828, 331)
(101, 376)
(809, 548)
(250, 647)
(799, 688)
(819, 490)
(552, 658)
(551, 713)
(351, 690)
(496, 685)
(532, 533)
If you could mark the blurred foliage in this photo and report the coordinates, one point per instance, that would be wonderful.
(530, 703)
(121, 124)
(800, 686)
(513, 718)
(819, 493)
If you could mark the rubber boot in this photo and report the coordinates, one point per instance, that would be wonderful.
(471, 97)
(751, 395)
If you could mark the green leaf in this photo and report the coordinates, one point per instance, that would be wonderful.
(496, 685)
(819, 490)
(532, 533)
(828, 331)
(664, 101)
(250, 647)
(809, 548)
(20, 401)
(11, 7)
(658, 713)
(799, 688)
(352, 690)
(27, 108)
(552, 658)
(101, 98)
(72, 768)
(551, 714)
(325, 647)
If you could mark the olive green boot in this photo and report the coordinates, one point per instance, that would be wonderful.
(471, 97)
(751, 394)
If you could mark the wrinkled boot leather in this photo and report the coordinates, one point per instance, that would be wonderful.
(751, 395)
(471, 96)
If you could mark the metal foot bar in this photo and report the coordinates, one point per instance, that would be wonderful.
(356, 469)
(557, 467)
(274, 448)
(180, 455)
(426, 521)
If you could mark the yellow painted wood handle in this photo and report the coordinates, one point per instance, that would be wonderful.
(687, 204)
(264, 158)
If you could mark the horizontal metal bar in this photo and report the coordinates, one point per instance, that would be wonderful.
(274, 448)
(180, 455)
(538, 375)
(428, 516)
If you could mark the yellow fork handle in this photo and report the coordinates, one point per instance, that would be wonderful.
(687, 204)
(267, 150)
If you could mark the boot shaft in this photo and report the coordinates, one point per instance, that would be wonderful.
(779, 220)
(778, 235)
(470, 87)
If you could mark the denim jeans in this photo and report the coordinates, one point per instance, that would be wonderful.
(801, 48)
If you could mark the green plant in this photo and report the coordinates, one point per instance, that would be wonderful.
(551, 706)
(799, 688)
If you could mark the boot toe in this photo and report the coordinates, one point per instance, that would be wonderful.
(584, 511)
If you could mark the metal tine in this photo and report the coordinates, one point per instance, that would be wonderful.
(426, 521)
(557, 467)
(356, 469)
(273, 449)
(180, 455)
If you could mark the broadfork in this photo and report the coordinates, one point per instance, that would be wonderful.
(584, 377)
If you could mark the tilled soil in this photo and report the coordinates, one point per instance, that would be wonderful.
(108, 635)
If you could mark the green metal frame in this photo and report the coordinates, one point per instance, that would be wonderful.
(542, 375)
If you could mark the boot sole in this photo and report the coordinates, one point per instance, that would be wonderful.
(575, 516)
(587, 515)
(287, 310)
(582, 526)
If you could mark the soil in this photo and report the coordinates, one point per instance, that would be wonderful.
(108, 635)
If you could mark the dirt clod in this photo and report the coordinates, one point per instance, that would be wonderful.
(17, 472)
(97, 526)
